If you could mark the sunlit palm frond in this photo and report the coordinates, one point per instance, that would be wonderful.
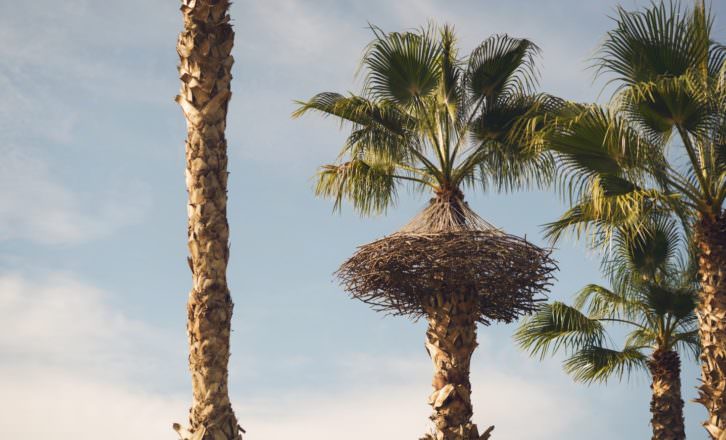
(359, 111)
(402, 67)
(603, 213)
(597, 142)
(369, 187)
(510, 160)
(663, 39)
(642, 337)
(646, 253)
(603, 303)
(501, 64)
(451, 72)
(558, 326)
(598, 364)
(668, 102)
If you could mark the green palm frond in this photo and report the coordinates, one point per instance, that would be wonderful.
(642, 337)
(666, 300)
(369, 186)
(646, 252)
(603, 303)
(510, 160)
(558, 326)
(600, 215)
(402, 67)
(359, 111)
(597, 142)
(598, 364)
(667, 102)
(652, 295)
(688, 342)
(451, 71)
(716, 59)
(501, 64)
(662, 40)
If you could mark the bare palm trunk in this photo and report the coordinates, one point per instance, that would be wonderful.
(450, 341)
(666, 404)
(711, 239)
(204, 48)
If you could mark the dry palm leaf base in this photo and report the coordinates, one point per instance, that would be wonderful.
(666, 404)
(205, 62)
(450, 342)
(710, 234)
(455, 269)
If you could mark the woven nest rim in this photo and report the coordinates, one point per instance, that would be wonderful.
(400, 273)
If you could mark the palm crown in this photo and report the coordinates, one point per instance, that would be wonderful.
(428, 117)
(653, 295)
(661, 144)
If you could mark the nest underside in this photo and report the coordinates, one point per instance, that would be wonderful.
(401, 273)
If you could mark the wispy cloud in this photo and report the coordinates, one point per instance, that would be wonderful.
(37, 207)
(80, 366)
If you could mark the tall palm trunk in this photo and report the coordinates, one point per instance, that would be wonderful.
(450, 341)
(711, 239)
(666, 404)
(204, 48)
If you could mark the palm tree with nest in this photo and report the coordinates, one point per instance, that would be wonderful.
(659, 145)
(438, 122)
(654, 297)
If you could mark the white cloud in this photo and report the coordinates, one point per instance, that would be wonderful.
(72, 365)
(63, 406)
(398, 409)
(62, 322)
(38, 208)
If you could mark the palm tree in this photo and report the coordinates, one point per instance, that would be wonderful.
(439, 122)
(652, 297)
(204, 48)
(659, 145)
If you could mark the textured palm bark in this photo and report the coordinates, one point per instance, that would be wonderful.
(666, 404)
(450, 341)
(711, 239)
(204, 48)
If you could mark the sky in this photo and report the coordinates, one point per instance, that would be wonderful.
(93, 272)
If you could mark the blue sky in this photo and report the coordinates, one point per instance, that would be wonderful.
(93, 273)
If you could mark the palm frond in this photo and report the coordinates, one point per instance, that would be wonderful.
(662, 40)
(501, 64)
(402, 67)
(688, 342)
(603, 303)
(504, 154)
(358, 110)
(645, 253)
(602, 214)
(596, 142)
(369, 187)
(667, 300)
(642, 337)
(598, 364)
(661, 104)
(558, 326)
(451, 71)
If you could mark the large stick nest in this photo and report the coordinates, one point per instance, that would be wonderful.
(444, 249)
